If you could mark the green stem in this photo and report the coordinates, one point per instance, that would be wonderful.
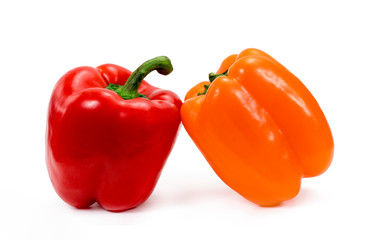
(212, 77)
(161, 64)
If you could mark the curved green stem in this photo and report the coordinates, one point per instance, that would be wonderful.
(161, 64)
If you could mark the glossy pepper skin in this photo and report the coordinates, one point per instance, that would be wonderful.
(259, 127)
(105, 148)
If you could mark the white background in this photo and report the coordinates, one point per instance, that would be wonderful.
(330, 45)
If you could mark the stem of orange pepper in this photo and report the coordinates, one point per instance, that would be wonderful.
(212, 77)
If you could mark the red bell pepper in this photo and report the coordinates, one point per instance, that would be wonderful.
(107, 142)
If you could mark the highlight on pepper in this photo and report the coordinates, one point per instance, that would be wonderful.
(259, 127)
(109, 134)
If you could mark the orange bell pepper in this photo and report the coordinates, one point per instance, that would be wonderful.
(259, 127)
